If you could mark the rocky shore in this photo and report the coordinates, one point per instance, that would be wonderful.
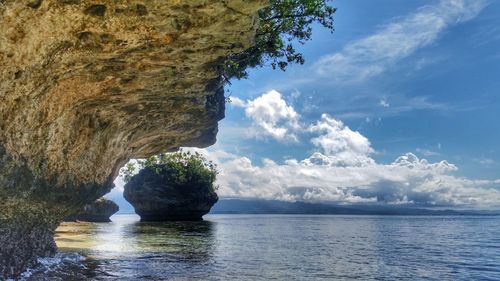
(85, 86)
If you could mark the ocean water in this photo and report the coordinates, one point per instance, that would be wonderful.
(278, 247)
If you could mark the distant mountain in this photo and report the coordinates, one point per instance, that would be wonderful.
(243, 206)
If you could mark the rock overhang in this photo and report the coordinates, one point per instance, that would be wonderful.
(87, 85)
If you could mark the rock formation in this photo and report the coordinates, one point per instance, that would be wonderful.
(87, 85)
(99, 211)
(155, 199)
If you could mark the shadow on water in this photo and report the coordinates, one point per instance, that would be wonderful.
(184, 240)
(127, 249)
(279, 247)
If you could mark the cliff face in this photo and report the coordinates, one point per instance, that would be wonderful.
(87, 85)
(156, 199)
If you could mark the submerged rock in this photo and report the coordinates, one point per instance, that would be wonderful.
(86, 86)
(155, 199)
(99, 211)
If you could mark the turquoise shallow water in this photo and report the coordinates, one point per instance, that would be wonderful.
(274, 247)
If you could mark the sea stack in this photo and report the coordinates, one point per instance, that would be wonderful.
(155, 199)
(99, 211)
(85, 86)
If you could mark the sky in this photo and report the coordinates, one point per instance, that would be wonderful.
(399, 105)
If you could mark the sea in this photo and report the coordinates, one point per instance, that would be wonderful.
(278, 247)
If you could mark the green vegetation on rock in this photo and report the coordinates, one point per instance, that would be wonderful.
(179, 169)
(283, 24)
(171, 187)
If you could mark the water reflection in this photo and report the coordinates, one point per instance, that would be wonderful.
(185, 239)
(252, 247)
(139, 250)
(126, 235)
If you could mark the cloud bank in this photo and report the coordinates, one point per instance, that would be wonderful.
(408, 180)
(341, 169)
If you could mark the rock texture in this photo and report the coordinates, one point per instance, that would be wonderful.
(87, 85)
(155, 199)
(99, 211)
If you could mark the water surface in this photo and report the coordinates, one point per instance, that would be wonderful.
(278, 247)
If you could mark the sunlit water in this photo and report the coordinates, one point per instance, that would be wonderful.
(268, 247)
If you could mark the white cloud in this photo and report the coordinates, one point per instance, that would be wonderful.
(372, 55)
(407, 180)
(271, 117)
(237, 102)
(485, 161)
(339, 143)
(426, 152)
(341, 169)
(384, 103)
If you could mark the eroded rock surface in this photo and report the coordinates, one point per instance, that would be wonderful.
(98, 211)
(154, 198)
(87, 85)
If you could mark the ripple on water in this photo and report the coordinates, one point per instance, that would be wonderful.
(232, 247)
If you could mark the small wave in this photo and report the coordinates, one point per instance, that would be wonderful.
(48, 265)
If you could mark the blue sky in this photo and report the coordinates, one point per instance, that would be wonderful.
(396, 77)
(446, 92)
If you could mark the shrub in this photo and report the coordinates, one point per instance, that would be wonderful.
(181, 168)
(283, 24)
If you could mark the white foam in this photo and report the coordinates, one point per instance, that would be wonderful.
(50, 264)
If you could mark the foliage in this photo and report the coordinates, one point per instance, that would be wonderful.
(181, 168)
(282, 24)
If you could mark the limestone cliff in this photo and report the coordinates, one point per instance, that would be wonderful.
(87, 85)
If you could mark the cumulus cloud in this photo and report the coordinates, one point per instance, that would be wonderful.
(341, 169)
(271, 117)
(238, 102)
(341, 145)
(372, 55)
(408, 180)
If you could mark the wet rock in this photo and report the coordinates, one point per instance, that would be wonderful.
(99, 211)
(156, 199)
(86, 86)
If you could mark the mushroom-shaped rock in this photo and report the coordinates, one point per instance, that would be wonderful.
(171, 192)
(99, 211)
